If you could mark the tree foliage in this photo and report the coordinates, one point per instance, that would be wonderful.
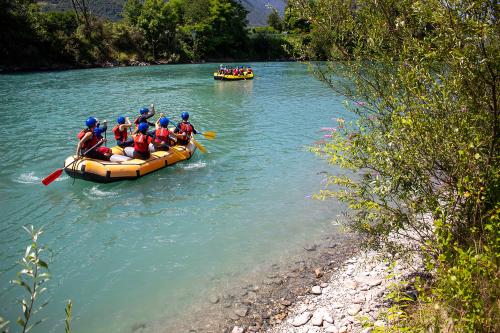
(423, 78)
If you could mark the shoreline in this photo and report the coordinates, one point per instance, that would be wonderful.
(135, 63)
(330, 286)
(261, 300)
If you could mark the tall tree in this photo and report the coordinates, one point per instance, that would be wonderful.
(131, 11)
(274, 20)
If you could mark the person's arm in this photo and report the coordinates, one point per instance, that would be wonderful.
(177, 128)
(194, 131)
(151, 111)
(81, 142)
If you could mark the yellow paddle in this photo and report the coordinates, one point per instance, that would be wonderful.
(210, 135)
(199, 145)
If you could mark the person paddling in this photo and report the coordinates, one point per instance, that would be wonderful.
(120, 132)
(87, 140)
(145, 114)
(98, 134)
(142, 141)
(163, 140)
(184, 130)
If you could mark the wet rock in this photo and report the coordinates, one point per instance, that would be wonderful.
(316, 290)
(324, 285)
(301, 319)
(286, 302)
(214, 299)
(253, 287)
(241, 310)
(354, 309)
(233, 316)
(311, 247)
(318, 273)
(138, 327)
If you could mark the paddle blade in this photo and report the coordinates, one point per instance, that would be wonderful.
(209, 135)
(200, 147)
(53, 176)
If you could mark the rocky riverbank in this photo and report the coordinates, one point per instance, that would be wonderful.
(329, 286)
(356, 293)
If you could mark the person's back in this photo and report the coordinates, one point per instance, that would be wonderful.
(120, 132)
(184, 130)
(88, 142)
(162, 139)
(144, 115)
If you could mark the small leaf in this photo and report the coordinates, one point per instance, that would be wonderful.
(43, 264)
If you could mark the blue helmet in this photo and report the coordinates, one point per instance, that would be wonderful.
(143, 110)
(164, 121)
(143, 127)
(91, 122)
(185, 116)
(120, 120)
(98, 131)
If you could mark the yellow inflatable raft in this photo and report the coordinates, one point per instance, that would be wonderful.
(230, 77)
(110, 171)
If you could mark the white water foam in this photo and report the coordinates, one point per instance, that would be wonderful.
(30, 178)
(95, 193)
(197, 165)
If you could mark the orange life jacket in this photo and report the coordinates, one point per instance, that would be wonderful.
(141, 143)
(90, 142)
(122, 136)
(161, 135)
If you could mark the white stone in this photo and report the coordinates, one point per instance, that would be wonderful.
(375, 282)
(237, 329)
(324, 285)
(317, 320)
(343, 329)
(316, 290)
(351, 284)
(379, 323)
(354, 309)
(328, 317)
(337, 305)
(301, 319)
(331, 329)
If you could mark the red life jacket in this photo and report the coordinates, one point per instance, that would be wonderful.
(120, 135)
(161, 135)
(141, 143)
(90, 142)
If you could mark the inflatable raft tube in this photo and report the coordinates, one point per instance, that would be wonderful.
(228, 77)
(122, 167)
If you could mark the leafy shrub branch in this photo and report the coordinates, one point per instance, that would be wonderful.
(422, 157)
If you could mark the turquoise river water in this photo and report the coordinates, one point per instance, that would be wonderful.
(147, 250)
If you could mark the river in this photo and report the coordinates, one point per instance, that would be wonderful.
(146, 250)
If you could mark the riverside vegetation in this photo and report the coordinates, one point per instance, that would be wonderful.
(422, 171)
(32, 277)
(151, 31)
